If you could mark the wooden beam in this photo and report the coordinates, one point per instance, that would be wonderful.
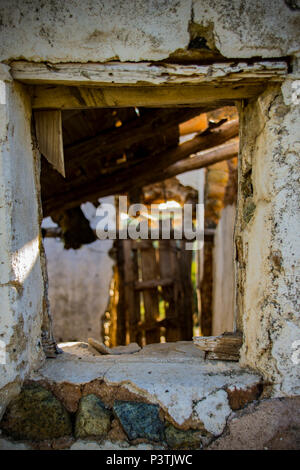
(71, 97)
(49, 136)
(119, 140)
(149, 170)
(204, 159)
(146, 73)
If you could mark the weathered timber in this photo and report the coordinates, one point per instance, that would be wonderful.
(132, 298)
(223, 347)
(49, 136)
(72, 97)
(144, 73)
(56, 232)
(168, 266)
(143, 285)
(204, 159)
(149, 270)
(187, 304)
(116, 141)
(150, 169)
(115, 351)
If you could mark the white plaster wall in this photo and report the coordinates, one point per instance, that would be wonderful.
(223, 273)
(270, 252)
(135, 30)
(21, 280)
(79, 282)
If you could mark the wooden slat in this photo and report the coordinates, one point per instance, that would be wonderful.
(143, 285)
(186, 312)
(149, 272)
(132, 298)
(168, 266)
(49, 135)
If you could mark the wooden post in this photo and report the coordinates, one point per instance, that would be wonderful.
(168, 265)
(149, 269)
(132, 296)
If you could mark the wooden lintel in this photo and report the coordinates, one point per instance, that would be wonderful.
(73, 97)
(145, 73)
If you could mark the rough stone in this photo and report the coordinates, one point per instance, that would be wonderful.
(36, 415)
(238, 396)
(5, 444)
(108, 445)
(213, 411)
(140, 420)
(190, 439)
(270, 424)
(175, 378)
(92, 419)
(68, 394)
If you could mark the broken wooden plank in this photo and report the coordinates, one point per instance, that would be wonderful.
(145, 73)
(102, 349)
(49, 136)
(149, 170)
(204, 159)
(223, 347)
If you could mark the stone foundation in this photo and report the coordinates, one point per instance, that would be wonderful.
(164, 397)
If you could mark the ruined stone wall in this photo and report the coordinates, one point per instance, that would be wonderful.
(267, 236)
(21, 280)
(102, 30)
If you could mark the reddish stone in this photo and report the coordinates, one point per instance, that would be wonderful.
(239, 397)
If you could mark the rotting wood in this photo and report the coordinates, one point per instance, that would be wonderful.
(56, 232)
(49, 136)
(119, 140)
(168, 266)
(116, 351)
(204, 159)
(149, 271)
(71, 97)
(223, 347)
(142, 285)
(145, 73)
(132, 298)
(150, 169)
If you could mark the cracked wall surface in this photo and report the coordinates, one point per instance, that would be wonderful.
(267, 236)
(21, 280)
(152, 30)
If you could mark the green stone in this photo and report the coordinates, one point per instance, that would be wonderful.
(92, 418)
(140, 420)
(179, 439)
(36, 415)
